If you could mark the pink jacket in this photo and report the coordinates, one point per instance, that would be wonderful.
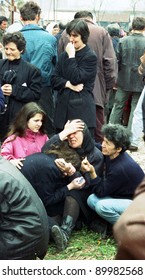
(21, 147)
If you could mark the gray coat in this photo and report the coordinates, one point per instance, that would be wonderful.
(23, 220)
(129, 51)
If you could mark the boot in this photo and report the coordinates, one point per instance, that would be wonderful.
(67, 226)
(59, 237)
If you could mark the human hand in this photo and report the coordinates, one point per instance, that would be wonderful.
(71, 127)
(7, 89)
(77, 183)
(76, 88)
(70, 49)
(87, 167)
(17, 162)
(67, 168)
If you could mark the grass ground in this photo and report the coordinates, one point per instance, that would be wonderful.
(84, 245)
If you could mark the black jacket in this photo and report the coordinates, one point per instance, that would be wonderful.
(70, 104)
(48, 181)
(23, 220)
(26, 87)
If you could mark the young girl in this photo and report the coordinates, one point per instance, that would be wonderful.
(26, 135)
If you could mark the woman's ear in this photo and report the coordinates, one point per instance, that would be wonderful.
(119, 149)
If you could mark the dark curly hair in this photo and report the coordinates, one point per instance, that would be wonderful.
(17, 38)
(118, 134)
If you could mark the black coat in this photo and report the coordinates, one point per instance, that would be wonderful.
(26, 87)
(23, 220)
(72, 105)
(48, 181)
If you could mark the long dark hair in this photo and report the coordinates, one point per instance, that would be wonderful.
(67, 153)
(28, 111)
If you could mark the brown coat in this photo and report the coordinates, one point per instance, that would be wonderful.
(129, 231)
(100, 41)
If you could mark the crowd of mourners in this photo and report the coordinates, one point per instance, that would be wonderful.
(72, 102)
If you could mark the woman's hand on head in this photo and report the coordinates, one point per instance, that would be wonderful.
(71, 127)
(77, 183)
(17, 162)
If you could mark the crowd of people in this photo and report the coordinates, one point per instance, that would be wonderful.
(64, 162)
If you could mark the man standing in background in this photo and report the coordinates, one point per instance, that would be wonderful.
(3, 26)
(41, 50)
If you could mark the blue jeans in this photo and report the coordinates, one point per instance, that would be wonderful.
(108, 208)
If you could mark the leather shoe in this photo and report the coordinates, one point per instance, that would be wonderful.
(133, 148)
(59, 238)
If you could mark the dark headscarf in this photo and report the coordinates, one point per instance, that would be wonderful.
(88, 143)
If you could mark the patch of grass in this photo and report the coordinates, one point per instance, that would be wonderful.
(84, 245)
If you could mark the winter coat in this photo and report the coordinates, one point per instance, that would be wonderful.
(21, 147)
(48, 181)
(100, 41)
(41, 50)
(2, 103)
(26, 87)
(24, 231)
(70, 104)
(130, 49)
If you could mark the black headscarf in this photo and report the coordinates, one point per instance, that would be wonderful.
(88, 143)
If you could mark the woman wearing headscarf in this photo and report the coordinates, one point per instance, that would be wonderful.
(78, 137)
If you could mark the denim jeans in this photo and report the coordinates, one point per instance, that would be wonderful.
(137, 122)
(108, 208)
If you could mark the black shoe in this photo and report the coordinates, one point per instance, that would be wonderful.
(133, 148)
(59, 237)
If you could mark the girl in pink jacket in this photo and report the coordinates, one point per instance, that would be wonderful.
(26, 135)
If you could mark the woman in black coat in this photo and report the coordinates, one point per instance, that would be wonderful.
(2, 103)
(79, 139)
(20, 81)
(56, 181)
(74, 79)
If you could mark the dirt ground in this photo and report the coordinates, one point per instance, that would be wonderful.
(139, 156)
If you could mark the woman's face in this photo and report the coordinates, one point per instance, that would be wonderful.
(76, 40)
(35, 122)
(75, 139)
(109, 149)
(12, 52)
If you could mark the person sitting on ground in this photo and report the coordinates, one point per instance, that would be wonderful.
(129, 231)
(75, 208)
(2, 102)
(24, 227)
(53, 185)
(113, 193)
(26, 134)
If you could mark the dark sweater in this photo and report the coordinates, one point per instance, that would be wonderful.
(122, 176)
